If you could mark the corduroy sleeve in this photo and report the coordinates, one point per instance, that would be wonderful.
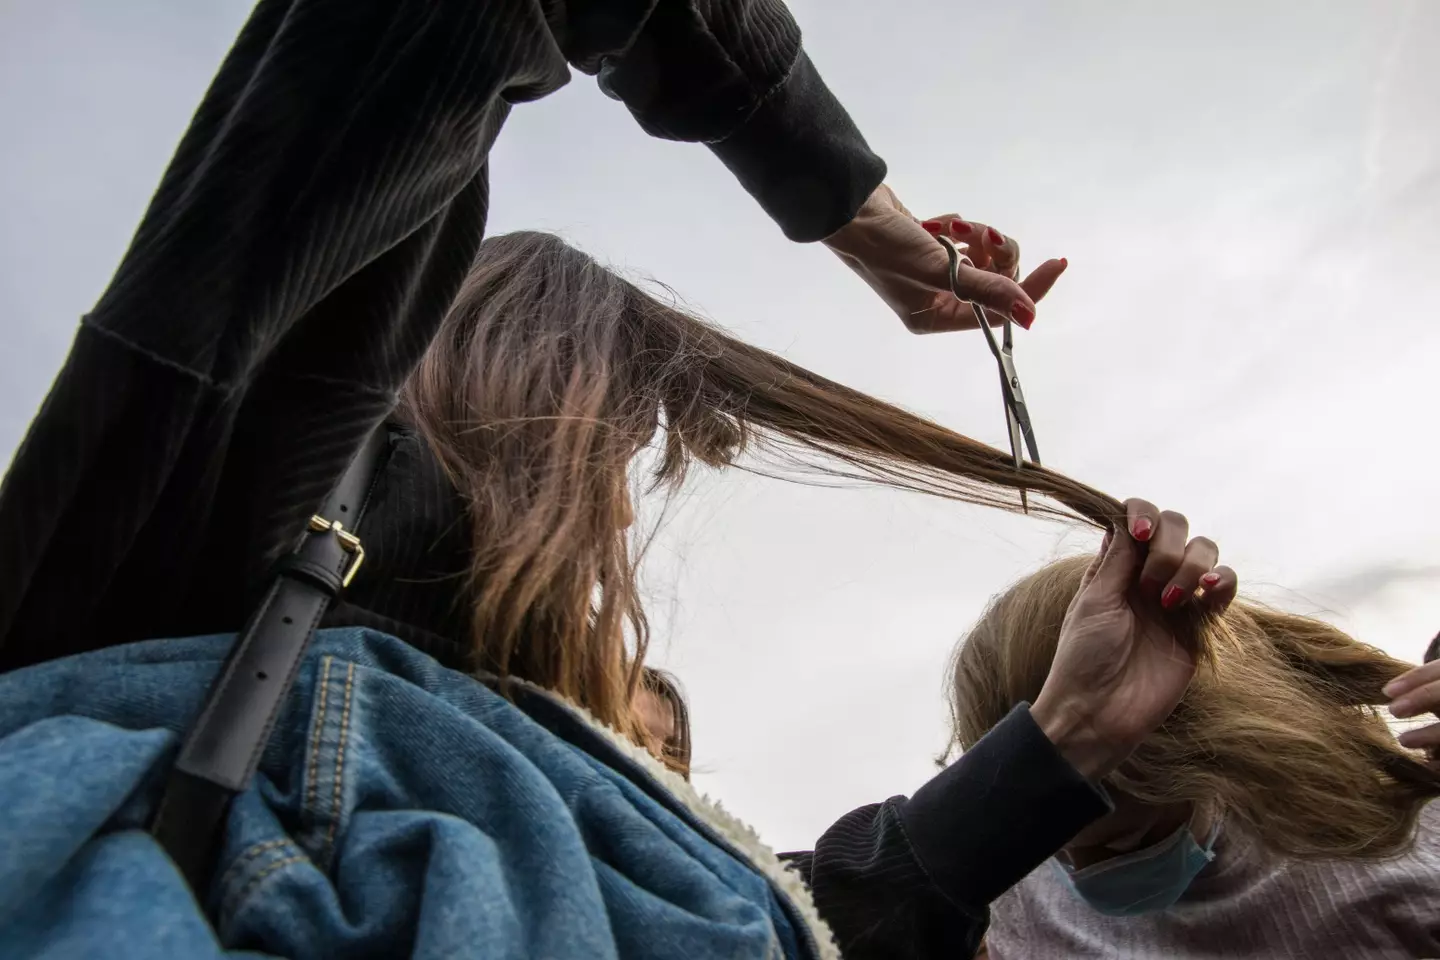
(915, 878)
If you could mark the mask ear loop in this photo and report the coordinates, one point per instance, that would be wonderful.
(1209, 845)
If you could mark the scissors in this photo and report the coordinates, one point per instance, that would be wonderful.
(1017, 414)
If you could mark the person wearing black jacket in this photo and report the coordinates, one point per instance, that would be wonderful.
(300, 251)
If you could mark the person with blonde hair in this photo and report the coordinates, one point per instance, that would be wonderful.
(1272, 814)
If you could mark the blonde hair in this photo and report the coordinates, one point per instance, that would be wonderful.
(1278, 727)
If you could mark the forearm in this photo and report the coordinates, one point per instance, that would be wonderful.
(334, 131)
(1003, 808)
(733, 75)
(876, 898)
(915, 878)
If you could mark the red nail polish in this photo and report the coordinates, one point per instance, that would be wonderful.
(1171, 597)
(934, 226)
(1022, 315)
(995, 237)
(960, 228)
(1210, 579)
(1064, 263)
(1142, 529)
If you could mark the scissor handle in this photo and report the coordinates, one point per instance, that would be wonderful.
(981, 319)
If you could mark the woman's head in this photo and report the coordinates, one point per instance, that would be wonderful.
(1277, 731)
(666, 720)
(547, 378)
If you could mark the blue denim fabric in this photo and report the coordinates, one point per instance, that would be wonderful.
(401, 809)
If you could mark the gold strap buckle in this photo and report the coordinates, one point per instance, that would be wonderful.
(348, 541)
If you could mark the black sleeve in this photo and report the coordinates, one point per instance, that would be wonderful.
(761, 107)
(303, 245)
(914, 878)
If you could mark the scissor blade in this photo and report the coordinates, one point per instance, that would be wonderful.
(1016, 430)
(1015, 404)
(1022, 418)
(983, 322)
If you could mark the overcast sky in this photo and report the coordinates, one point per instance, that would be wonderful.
(1249, 196)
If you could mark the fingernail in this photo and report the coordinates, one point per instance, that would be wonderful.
(1402, 709)
(1171, 597)
(1022, 314)
(1142, 528)
(934, 226)
(1064, 263)
(960, 228)
(1390, 688)
(996, 237)
(1407, 739)
(1210, 579)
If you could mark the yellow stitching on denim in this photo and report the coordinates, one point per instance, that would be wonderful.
(258, 851)
(340, 759)
(249, 853)
(238, 901)
(315, 738)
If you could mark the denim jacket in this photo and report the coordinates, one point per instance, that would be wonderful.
(401, 809)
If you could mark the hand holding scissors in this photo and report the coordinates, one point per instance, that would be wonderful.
(896, 255)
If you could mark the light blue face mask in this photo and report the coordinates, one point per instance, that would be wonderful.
(1143, 881)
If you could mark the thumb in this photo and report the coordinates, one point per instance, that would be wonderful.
(998, 293)
(1115, 568)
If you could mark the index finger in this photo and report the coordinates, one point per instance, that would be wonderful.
(1417, 677)
(997, 293)
(1003, 251)
(1219, 588)
(1042, 278)
(1141, 518)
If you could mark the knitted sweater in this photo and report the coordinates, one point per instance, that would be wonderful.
(1245, 904)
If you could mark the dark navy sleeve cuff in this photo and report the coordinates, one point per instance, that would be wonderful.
(801, 156)
(1009, 803)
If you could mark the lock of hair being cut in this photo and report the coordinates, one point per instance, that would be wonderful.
(547, 378)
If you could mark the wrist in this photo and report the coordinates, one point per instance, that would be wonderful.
(1092, 756)
(856, 239)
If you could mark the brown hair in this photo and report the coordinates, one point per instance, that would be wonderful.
(547, 378)
(1277, 727)
(674, 751)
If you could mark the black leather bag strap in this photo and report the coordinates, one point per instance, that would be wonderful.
(223, 747)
